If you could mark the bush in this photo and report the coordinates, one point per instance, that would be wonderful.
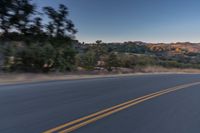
(87, 60)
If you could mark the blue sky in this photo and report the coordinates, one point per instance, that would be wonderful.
(133, 20)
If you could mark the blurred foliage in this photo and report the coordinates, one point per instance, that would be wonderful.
(29, 45)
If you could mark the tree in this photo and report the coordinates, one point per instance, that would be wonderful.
(127, 60)
(5, 6)
(59, 24)
(5, 15)
(36, 27)
(37, 49)
(16, 15)
(21, 15)
(36, 58)
(87, 60)
(112, 61)
(98, 41)
(37, 31)
(58, 30)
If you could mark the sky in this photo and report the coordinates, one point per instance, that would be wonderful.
(133, 20)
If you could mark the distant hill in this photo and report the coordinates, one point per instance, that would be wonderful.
(180, 52)
(176, 48)
(173, 48)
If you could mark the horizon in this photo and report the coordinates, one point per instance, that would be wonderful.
(143, 42)
(120, 21)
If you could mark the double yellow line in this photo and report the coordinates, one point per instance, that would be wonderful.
(76, 124)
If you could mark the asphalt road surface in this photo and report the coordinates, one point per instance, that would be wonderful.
(40, 107)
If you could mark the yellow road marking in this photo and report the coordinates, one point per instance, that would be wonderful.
(106, 112)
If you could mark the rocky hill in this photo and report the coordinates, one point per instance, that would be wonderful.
(175, 48)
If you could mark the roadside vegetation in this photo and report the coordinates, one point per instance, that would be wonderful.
(28, 44)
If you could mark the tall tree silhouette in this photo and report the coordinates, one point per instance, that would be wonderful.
(59, 25)
(21, 14)
(5, 7)
(37, 27)
(16, 14)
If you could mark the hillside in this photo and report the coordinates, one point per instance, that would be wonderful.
(181, 54)
(142, 47)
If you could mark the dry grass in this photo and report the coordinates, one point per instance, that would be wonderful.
(157, 69)
(6, 78)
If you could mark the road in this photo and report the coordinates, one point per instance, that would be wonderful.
(42, 106)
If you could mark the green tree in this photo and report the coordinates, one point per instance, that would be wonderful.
(36, 58)
(86, 60)
(127, 60)
(112, 61)
(58, 30)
